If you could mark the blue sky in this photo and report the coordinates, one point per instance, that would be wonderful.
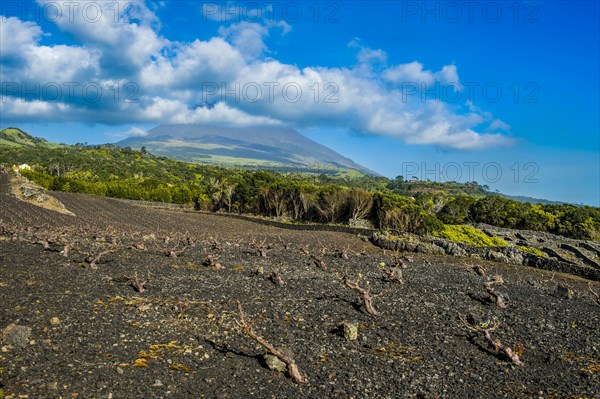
(467, 88)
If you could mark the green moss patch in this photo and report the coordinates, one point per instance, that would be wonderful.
(531, 250)
(469, 235)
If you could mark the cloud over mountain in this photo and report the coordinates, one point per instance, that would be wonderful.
(119, 69)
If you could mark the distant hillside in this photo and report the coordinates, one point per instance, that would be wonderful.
(531, 200)
(419, 187)
(271, 147)
(15, 137)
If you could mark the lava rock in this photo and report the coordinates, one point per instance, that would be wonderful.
(16, 335)
(564, 292)
(350, 330)
(275, 364)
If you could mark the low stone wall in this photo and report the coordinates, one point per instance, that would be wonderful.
(510, 255)
(580, 255)
(256, 219)
(292, 226)
(590, 248)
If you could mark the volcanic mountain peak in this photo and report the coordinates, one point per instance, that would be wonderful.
(266, 146)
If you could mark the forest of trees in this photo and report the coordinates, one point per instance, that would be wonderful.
(385, 203)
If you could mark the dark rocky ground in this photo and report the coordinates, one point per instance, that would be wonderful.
(90, 328)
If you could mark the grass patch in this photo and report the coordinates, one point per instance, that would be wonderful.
(531, 250)
(9, 144)
(469, 235)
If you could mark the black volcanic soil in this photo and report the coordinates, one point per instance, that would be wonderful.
(417, 347)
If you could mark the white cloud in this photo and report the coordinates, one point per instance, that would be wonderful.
(497, 124)
(132, 132)
(62, 63)
(448, 74)
(124, 32)
(17, 35)
(371, 56)
(24, 58)
(413, 72)
(246, 37)
(409, 73)
(192, 65)
(222, 113)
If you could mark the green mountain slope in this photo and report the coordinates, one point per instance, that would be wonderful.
(15, 137)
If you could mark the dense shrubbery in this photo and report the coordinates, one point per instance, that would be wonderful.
(567, 220)
(456, 211)
(410, 187)
(124, 173)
